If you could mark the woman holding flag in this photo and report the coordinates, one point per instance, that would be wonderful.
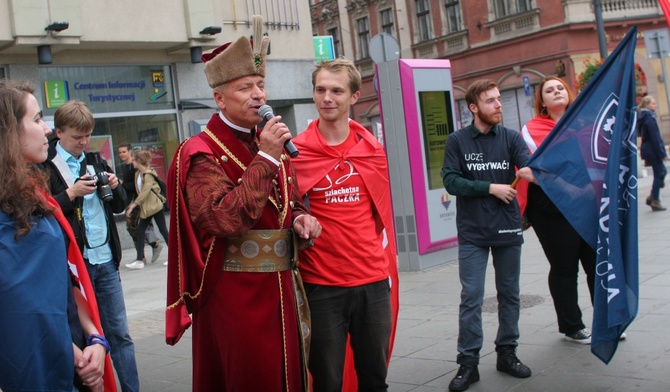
(562, 245)
(50, 335)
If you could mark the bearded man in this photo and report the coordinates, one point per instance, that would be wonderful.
(479, 164)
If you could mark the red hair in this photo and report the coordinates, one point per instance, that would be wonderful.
(539, 104)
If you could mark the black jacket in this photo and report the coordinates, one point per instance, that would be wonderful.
(58, 186)
(127, 174)
(652, 147)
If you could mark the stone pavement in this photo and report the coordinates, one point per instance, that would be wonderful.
(424, 358)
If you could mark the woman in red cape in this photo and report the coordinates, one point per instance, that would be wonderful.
(564, 248)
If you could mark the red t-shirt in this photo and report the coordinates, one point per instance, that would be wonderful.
(349, 251)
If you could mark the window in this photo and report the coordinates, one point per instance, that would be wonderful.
(387, 22)
(363, 37)
(508, 7)
(423, 19)
(453, 15)
(502, 8)
(523, 5)
(336, 41)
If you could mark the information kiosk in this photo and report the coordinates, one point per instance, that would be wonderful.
(417, 109)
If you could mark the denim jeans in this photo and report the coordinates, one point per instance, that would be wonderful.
(112, 307)
(472, 262)
(364, 313)
(658, 167)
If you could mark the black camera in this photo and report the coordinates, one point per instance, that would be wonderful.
(101, 177)
(102, 185)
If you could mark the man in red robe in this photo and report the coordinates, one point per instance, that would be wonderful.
(231, 264)
(350, 273)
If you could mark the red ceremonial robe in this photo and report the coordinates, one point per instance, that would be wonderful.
(80, 273)
(369, 158)
(533, 133)
(240, 319)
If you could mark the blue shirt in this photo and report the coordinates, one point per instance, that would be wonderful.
(95, 218)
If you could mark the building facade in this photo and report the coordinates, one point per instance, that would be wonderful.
(137, 64)
(514, 42)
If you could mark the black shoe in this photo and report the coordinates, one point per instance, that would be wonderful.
(509, 363)
(466, 375)
(657, 206)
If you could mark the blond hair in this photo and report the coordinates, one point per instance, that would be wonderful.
(142, 156)
(645, 101)
(338, 65)
(74, 114)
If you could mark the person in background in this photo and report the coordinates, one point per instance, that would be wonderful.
(652, 149)
(234, 217)
(479, 166)
(89, 194)
(127, 179)
(149, 201)
(50, 333)
(564, 248)
(342, 170)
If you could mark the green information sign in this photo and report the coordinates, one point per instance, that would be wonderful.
(323, 48)
(56, 93)
(109, 89)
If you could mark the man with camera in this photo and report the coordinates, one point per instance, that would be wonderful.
(89, 194)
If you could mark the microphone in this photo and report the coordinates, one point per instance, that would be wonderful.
(266, 113)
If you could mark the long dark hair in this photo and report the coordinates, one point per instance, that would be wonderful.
(24, 190)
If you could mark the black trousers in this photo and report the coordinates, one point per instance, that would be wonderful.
(159, 218)
(362, 313)
(131, 226)
(565, 249)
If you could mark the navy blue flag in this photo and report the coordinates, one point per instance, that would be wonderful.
(587, 166)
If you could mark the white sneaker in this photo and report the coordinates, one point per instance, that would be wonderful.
(622, 336)
(135, 265)
(165, 264)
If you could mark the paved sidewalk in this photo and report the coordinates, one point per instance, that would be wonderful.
(424, 358)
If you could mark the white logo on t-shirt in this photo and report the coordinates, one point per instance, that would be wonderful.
(342, 194)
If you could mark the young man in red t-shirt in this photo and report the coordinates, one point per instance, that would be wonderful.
(351, 268)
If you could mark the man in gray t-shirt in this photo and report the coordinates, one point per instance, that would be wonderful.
(479, 164)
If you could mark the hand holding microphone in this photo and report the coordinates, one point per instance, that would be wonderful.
(265, 112)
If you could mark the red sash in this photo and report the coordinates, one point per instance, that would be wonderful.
(78, 269)
(533, 133)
